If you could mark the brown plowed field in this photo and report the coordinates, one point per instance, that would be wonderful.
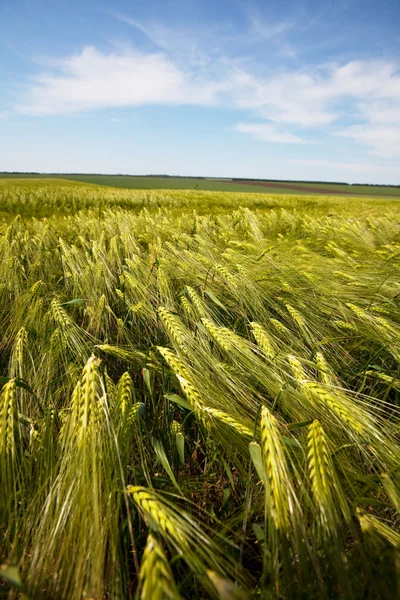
(303, 188)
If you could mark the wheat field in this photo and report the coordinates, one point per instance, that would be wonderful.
(200, 394)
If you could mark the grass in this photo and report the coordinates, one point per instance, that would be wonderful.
(199, 394)
(182, 183)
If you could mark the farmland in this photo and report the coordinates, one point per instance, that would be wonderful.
(221, 185)
(200, 393)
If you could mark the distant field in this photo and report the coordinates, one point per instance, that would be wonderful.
(159, 183)
(323, 188)
(269, 187)
(170, 183)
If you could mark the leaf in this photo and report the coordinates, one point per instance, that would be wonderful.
(74, 301)
(352, 445)
(291, 442)
(180, 446)
(147, 380)
(299, 424)
(11, 574)
(162, 457)
(226, 494)
(259, 532)
(141, 408)
(214, 298)
(256, 457)
(178, 400)
(228, 472)
(18, 382)
(368, 501)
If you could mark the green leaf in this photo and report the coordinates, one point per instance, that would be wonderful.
(256, 457)
(226, 494)
(299, 424)
(74, 301)
(147, 380)
(178, 400)
(368, 501)
(18, 382)
(162, 457)
(11, 574)
(259, 532)
(214, 298)
(141, 408)
(290, 442)
(180, 446)
(228, 472)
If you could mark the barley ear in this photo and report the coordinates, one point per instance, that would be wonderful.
(277, 477)
(156, 581)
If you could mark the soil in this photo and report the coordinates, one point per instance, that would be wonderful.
(304, 188)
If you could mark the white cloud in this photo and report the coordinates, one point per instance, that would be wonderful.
(197, 46)
(320, 96)
(384, 140)
(129, 21)
(366, 94)
(265, 29)
(114, 119)
(284, 99)
(268, 133)
(380, 111)
(94, 80)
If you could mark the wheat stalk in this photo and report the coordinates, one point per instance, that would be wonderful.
(262, 339)
(220, 334)
(327, 493)
(297, 317)
(125, 393)
(155, 513)
(196, 301)
(8, 416)
(156, 581)
(338, 406)
(174, 327)
(373, 526)
(228, 420)
(277, 501)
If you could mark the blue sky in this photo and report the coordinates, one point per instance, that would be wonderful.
(242, 88)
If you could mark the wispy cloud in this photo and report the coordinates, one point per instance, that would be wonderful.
(159, 35)
(364, 92)
(130, 21)
(268, 133)
(262, 25)
(193, 46)
(383, 140)
(265, 29)
(94, 80)
(358, 100)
